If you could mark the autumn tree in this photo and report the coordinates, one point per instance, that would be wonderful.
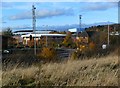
(68, 41)
(9, 35)
(31, 43)
(48, 54)
(103, 37)
(7, 32)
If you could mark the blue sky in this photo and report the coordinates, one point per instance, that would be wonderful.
(19, 14)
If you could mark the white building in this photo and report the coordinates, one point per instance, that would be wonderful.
(39, 35)
(73, 30)
(22, 32)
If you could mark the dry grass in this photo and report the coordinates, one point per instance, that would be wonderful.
(0, 78)
(92, 72)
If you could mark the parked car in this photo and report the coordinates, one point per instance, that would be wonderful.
(6, 51)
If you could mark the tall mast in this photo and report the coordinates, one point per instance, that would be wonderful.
(79, 24)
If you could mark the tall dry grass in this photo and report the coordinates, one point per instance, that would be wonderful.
(92, 72)
(0, 78)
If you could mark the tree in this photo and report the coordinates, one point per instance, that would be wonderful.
(68, 41)
(31, 43)
(48, 54)
(103, 38)
(8, 32)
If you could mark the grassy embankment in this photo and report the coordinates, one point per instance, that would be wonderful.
(93, 72)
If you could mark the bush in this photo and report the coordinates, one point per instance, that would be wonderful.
(91, 46)
(68, 41)
(47, 54)
(87, 51)
(74, 56)
(31, 43)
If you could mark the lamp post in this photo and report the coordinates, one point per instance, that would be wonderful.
(34, 27)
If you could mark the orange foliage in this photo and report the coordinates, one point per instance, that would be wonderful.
(91, 46)
(48, 53)
(31, 43)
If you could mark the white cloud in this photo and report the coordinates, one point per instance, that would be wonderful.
(43, 14)
(98, 6)
(61, 0)
(13, 5)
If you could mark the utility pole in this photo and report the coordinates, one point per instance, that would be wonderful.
(114, 29)
(80, 17)
(108, 34)
(46, 35)
(34, 27)
(77, 34)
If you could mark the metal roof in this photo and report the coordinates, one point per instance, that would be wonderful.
(39, 35)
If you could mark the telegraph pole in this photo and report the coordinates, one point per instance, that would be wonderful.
(77, 33)
(46, 37)
(108, 34)
(34, 27)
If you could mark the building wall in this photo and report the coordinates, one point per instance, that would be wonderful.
(51, 41)
(18, 39)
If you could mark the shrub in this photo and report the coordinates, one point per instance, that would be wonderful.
(86, 50)
(31, 43)
(68, 41)
(48, 54)
(91, 46)
(74, 56)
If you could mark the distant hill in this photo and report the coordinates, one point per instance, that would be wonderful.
(101, 23)
(63, 27)
(113, 27)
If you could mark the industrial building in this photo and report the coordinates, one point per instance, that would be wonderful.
(41, 36)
